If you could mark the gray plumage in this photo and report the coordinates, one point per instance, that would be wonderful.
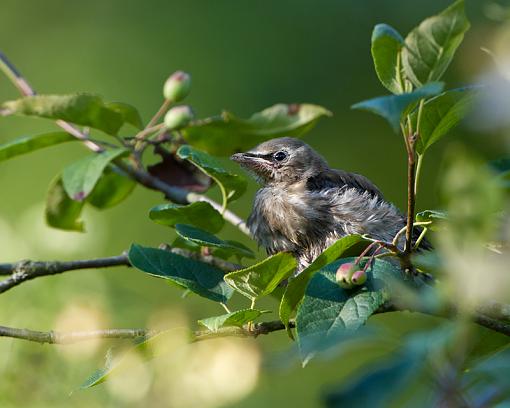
(304, 206)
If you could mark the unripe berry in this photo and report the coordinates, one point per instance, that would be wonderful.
(178, 117)
(359, 277)
(177, 86)
(343, 275)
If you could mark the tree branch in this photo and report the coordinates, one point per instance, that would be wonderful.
(25, 270)
(55, 337)
(175, 194)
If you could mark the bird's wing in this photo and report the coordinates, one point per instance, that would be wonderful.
(339, 178)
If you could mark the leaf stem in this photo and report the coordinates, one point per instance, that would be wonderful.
(420, 238)
(161, 111)
(225, 307)
(418, 173)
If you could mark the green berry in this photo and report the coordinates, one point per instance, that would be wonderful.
(178, 117)
(359, 277)
(343, 275)
(177, 86)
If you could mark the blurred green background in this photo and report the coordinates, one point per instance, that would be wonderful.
(243, 56)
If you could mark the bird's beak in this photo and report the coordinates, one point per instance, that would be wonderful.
(245, 158)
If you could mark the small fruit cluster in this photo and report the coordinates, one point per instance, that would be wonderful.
(349, 275)
(176, 88)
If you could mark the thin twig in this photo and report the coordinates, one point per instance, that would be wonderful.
(23, 271)
(254, 330)
(56, 337)
(175, 194)
(161, 111)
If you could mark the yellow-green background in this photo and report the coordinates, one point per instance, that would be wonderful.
(243, 56)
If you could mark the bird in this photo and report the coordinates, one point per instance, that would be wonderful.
(304, 206)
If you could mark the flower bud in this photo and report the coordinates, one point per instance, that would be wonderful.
(343, 275)
(178, 117)
(177, 86)
(359, 277)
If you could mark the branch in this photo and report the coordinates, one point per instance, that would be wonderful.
(175, 194)
(25, 270)
(411, 197)
(54, 337)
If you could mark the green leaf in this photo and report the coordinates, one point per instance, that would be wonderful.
(201, 278)
(440, 114)
(61, 212)
(129, 113)
(493, 370)
(394, 107)
(80, 178)
(206, 239)
(386, 46)
(200, 214)
(232, 186)
(28, 144)
(432, 216)
(227, 134)
(380, 386)
(147, 349)
(111, 189)
(262, 278)
(237, 318)
(81, 109)
(328, 310)
(296, 287)
(430, 47)
(402, 379)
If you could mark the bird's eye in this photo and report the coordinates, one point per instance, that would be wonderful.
(280, 156)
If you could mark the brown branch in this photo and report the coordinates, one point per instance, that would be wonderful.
(411, 197)
(55, 337)
(26, 270)
(175, 194)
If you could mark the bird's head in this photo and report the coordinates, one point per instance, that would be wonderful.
(283, 161)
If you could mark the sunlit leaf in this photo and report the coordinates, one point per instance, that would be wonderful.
(200, 214)
(81, 109)
(201, 278)
(29, 144)
(80, 178)
(227, 134)
(232, 185)
(394, 107)
(346, 246)
(237, 318)
(262, 278)
(387, 44)
(440, 114)
(430, 47)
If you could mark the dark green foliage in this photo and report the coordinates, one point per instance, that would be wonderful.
(203, 279)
